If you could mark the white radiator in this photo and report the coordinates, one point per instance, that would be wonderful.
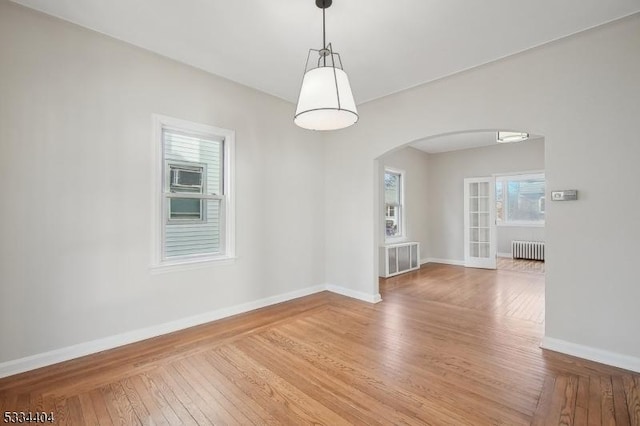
(533, 250)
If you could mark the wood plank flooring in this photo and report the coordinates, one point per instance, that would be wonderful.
(447, 345)
(521, 265)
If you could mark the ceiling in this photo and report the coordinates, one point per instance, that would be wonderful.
(458, 141)
(386, 46)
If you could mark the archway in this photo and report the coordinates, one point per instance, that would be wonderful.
(431, 215)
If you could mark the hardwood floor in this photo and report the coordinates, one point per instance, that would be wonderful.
(447, 345)
(521, 265)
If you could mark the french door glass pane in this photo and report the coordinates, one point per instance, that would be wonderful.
(473, 189)
(483, 250)
(483, 219)
(483, 204)
(474, 219)
(483, 189)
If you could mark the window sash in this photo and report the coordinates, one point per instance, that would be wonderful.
(196, 192)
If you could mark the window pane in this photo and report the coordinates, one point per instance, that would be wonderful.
(185, 209)
(391, 188)
(183, 239)
(392, 221)
(186, 148)
(525, 200)
(499, 200)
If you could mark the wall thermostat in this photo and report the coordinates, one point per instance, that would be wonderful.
(564, 195)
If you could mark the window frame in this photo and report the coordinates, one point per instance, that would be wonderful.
(400, 207)
(505, 177)
(160, 204)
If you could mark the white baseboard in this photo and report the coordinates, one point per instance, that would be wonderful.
(423, 261)
(32, 362)
(592, 354)
(365, 297)
(507, 255)
(9, 368)
(445, 261)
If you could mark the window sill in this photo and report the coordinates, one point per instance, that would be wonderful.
(394, 240)
(189, 264)
(520, 225)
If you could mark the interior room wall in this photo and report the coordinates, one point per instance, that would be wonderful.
(75, 159)
(414, 163)
(582, 94)
(507, 234)
(446, 174)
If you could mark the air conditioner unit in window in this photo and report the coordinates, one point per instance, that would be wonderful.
(186, 179)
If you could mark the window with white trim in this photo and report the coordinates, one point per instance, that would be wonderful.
(194, 184)
(393, 203)
(520, 200)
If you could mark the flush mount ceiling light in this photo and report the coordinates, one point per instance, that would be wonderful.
(507, 137)
(325, 101)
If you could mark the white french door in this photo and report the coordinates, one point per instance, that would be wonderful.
(480, 222)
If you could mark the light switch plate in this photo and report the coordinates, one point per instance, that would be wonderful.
(564, 195)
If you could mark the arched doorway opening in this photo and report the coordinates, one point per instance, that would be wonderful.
(419, 198)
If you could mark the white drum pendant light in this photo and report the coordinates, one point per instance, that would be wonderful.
(325, 101)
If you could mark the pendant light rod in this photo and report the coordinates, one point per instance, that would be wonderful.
(324, 41)
(324, 4)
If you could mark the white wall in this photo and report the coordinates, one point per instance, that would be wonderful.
(582, 94)
(414, 163)
(507, 234)
(446, 175)
(75, 160)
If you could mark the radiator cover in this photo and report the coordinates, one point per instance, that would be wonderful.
(399, 258)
